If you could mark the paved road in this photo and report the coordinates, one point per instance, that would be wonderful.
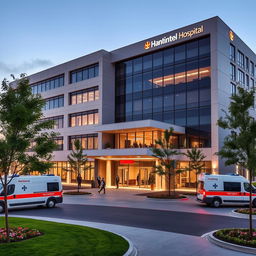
(171, 221)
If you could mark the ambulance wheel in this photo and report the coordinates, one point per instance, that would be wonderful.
(1, 207)
(216, 203)
(50, 203)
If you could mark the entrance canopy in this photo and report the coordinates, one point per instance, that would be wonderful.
(138, 125)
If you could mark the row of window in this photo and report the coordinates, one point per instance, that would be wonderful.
(84, 118)
(84, 73)
(54, 102)
(58, 121)
(58, 140)
(48, 84)
(82, 96)
(88, 141)
(241, 77)
(242, 61)
(175, 55)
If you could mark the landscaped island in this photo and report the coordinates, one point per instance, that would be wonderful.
(63, 239)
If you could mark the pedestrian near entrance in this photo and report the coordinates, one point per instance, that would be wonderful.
(138, 179)
(102, 186)
(79, 181)
(117, 181)
(99, 181)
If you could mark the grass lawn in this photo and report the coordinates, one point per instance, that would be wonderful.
(63, 239)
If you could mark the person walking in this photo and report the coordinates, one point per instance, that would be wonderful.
(99, 181)
(102, 186)
(79, 181)
(138, 179)
(117, 181)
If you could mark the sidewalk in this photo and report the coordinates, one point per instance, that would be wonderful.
(157, 243)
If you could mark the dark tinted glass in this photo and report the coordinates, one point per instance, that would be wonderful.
(232, 186)
(168, 56)
(180, 53)
(52, 186)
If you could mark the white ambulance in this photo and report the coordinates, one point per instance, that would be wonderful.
(24, 191)
(216, 190)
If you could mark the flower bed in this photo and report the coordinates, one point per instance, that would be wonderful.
(18, 234)
(245, 211)
(237, 236)
(166, 196)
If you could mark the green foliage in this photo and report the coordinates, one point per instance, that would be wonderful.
(164, 151)
(77, 161)
(60, 239)
(240, 145)
(20, 112)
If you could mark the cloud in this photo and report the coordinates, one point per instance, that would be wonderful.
(24, 67)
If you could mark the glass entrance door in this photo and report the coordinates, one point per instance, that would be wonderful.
(144, 176)
(123, 174)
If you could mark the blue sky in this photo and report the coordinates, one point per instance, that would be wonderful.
(37, 34)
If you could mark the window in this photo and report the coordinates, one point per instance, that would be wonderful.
(240, 59)
(241, 77)
(247, 187)
(232, 52)
(247, 82)
(247, 64)
(54, 102)
(10, 190)
(232, 72)
(58, 121)
(82, 96)
(88, 141)
(252, 83)
(59, 142)
(52, 186)
(233, 89)
(251, 68)
(232, 186)
(84, 118)
(84, 73)
(48, 84)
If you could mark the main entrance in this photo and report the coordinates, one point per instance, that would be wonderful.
(134, 174)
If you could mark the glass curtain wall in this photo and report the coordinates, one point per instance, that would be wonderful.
(171, 85)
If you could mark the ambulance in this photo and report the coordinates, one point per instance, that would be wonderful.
(217, 190)
(25, 191)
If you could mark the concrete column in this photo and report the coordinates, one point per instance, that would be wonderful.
(158, 180)
(68, 177)
(108, 173)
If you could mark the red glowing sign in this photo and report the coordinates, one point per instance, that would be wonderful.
(126, 161)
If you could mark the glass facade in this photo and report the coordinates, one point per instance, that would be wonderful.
(48, 84)
(54, 102)
(84, 73)
(88, 141)
(171, 85)
(82, 96)
(84, 118)
(58, 121)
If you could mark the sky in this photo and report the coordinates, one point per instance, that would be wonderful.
(38, 34)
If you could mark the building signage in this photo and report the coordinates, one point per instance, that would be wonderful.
(231, 35)
(174, 37)
(126, 161)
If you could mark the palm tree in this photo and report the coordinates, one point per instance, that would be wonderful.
(195, 157)
(77, 161)
(164, 151)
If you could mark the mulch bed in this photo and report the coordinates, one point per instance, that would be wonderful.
(245, 211)
(164, 194)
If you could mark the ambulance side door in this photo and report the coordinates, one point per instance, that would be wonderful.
(246, 192)
(232, 192)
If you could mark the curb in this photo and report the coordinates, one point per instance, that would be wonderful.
(132, 251)
(235, 247)
(242, 215)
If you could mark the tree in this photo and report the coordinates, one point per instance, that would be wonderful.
(195, 157)
(164, 151)
(77, 161)
(20, 112)
(240, 145)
